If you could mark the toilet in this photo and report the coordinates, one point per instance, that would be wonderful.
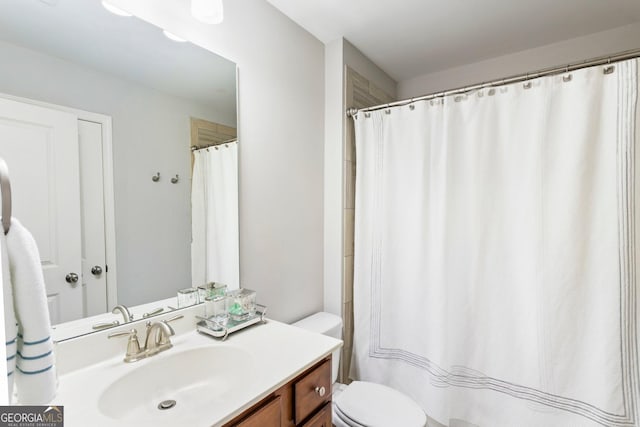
(361, 403)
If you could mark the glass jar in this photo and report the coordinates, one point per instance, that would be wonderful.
(188, 297)
(216, 308)
(242, 304)
(211, 289)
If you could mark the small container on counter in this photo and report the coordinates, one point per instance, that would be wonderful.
(188, 297)
(242, 303)
(211, 289)
(216, 308)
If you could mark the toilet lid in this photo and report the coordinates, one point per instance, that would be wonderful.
(374, 405)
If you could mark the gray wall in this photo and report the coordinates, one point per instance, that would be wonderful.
(150, 134)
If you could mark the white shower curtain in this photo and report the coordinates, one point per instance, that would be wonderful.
(495, 252)
(214, 211)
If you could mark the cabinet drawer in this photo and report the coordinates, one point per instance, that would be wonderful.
(322, 418)
(308, 393)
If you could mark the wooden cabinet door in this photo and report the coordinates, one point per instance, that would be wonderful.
(267, 415)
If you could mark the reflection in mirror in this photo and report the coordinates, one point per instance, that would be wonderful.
(214, 202)
(97, 116)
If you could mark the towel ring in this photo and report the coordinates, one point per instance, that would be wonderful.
(5, 187)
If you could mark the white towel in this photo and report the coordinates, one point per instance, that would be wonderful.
(10, 324)
(35, 374)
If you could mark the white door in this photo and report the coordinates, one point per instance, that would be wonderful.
(40, 146)
(94, 269)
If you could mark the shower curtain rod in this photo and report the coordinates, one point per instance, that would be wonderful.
(629, 54)
(213, 144)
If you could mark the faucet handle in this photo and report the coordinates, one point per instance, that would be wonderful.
(164, 338)
(133, 345)
(106, 325)
(176, 317)
(122, 333)
(153, 312)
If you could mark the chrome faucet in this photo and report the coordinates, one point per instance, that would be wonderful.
(126, 314)
(158, 339)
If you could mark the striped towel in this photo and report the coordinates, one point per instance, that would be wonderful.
(10, 324)
(31, 351)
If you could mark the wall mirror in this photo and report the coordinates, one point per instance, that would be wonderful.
(98, 114)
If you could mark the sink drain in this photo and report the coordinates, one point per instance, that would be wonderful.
(166, 404)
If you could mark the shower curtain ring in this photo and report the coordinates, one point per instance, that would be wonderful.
(567, 77)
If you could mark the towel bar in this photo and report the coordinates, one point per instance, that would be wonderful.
(5, 187)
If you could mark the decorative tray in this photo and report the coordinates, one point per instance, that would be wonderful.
(216, 330)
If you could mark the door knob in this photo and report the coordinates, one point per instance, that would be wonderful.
(96, 270)
(72, 278)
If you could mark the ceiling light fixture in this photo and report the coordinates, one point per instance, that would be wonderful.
(207, 11)
(173, 37)
(114, 9)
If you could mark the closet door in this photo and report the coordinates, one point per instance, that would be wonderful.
(40, 146)
(94, 268)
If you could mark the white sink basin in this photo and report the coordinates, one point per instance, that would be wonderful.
(195, 378)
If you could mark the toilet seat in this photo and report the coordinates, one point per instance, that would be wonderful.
(341, 420)
(365, 404)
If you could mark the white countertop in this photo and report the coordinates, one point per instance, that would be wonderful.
(278, 353)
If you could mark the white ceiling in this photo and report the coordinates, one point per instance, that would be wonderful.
(408, 38)
(83, 32)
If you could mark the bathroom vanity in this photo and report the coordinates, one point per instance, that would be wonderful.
(304, 401)
(269, 374)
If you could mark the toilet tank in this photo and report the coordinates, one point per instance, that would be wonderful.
(326, 324)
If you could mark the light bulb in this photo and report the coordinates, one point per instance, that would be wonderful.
(207, 11)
